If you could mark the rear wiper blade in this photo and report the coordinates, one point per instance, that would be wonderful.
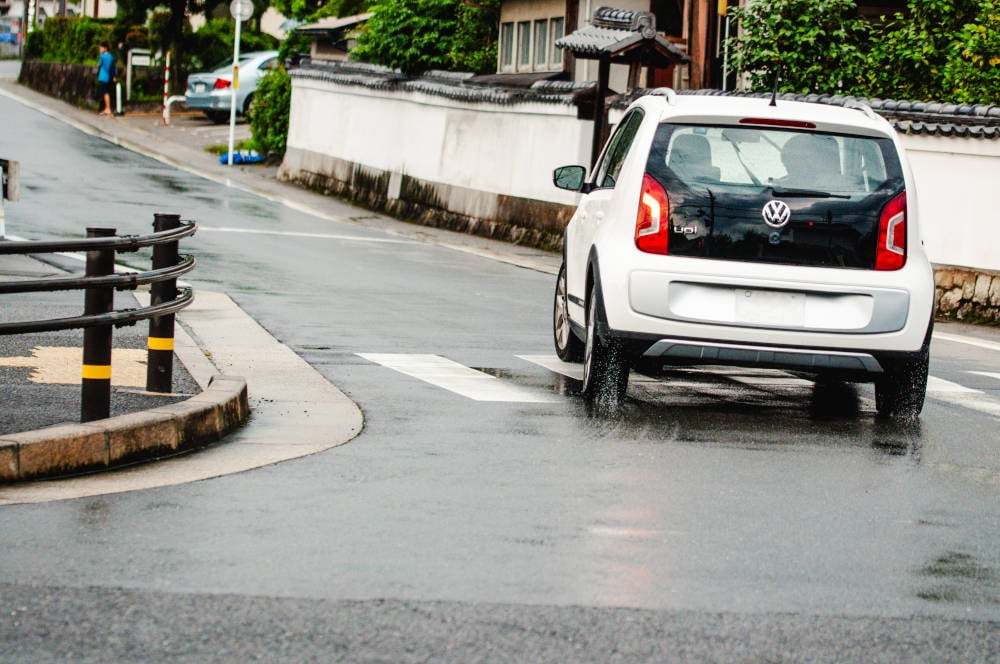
(781, 192)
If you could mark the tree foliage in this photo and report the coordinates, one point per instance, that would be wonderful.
(417, 35)
(936, 49)
(310, 10)
(974, 75)
(915, 48)
(818, 43)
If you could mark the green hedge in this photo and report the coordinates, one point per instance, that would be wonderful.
(271, 105)
(65, 39)
(937, 49)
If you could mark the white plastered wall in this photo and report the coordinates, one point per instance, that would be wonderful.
(958, 186)
(501, 149)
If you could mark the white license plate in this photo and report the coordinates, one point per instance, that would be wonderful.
(761, 307)
(199, 87)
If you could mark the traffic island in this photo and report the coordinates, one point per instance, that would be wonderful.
(70, 449)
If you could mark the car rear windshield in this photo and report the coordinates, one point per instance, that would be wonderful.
(747, 159)
(720, 179)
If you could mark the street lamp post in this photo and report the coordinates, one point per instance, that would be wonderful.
(241, 10)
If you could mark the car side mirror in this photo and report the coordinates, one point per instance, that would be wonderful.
(569, 177)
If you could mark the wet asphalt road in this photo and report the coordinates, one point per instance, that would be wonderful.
(714, 520)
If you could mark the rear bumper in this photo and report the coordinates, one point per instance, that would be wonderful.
(841, 310)
(680, 351)
(207, 102)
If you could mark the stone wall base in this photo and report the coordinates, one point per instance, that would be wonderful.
(967, 295)
(512, 219)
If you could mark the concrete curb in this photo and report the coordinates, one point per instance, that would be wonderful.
(69, 449)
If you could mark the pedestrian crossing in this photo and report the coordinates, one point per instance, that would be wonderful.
(458, 378)
(478, 385)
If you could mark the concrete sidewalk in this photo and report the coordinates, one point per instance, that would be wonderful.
(40, 373)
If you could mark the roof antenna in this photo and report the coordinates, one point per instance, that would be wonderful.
(774, 92)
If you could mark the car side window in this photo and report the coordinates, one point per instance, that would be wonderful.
(270, 64)
(618, 147)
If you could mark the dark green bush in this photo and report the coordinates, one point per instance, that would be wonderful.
(416, 35)
(68, 39)
(271, 106)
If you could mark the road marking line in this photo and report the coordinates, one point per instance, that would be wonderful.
(969, 341)
(458, 378)
(940, 385)
(538, 264)
(555, 365)
(61, 365)
(741, 375)
(988, 374)
(960, 395)
(321, 236)
(571, 370)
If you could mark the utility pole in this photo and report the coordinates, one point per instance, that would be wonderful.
(241, 10)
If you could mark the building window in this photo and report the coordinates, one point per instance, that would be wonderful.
(541, 43)
(558, 29)
(524, 44)
(506, 45)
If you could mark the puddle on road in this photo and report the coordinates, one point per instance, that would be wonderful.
(959, 577)
(697, 407)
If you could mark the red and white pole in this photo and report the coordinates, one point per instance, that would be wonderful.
(166, 90)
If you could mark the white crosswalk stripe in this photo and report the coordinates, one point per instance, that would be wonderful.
(570, 370)
(941, 386)
(988, 374)
(457, 378)
(960, 395)
(480, 386)
(968, 341)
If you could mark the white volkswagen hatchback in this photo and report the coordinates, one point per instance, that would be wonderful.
(729, 231)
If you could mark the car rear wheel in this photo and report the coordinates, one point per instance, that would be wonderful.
(900, 392)
(218, 117)
(605, 365)
(569, 348)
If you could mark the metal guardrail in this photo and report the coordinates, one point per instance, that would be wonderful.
(99, 317)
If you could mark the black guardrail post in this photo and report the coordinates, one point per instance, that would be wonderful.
(95, 395)
(160, 364)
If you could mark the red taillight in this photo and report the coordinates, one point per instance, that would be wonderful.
(891, 251)
(652, 223)
(222, 84)
(774, 122)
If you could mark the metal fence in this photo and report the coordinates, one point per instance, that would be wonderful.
(99, 316)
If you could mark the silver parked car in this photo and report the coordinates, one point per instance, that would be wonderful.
(211, 92)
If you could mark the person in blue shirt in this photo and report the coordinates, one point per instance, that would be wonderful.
(105, 75)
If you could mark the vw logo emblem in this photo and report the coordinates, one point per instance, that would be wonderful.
(776, 214)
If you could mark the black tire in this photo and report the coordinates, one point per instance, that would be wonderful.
(900, 392)
(218, 117)
(605, 364)
(569, 348)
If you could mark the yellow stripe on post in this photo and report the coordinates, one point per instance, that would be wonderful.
(97, 371)
(160, 343)
(723, 7)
